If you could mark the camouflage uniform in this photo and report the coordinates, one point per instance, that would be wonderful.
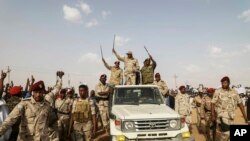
(131, 66)
(51, 97)
(225, 102)
(102, 103)
(183, 107)
(82, 111)
(63, 107)
(147, 73)
(34, 120)
(206, 107)
(12, 102)
(116, 74)
(198, 100)
(163, 88)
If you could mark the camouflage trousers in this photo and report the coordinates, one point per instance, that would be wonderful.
(104, 112)
(53, 132)
(82, 131)
(81, 136)
(130, 79)
(223, 136)
(208, 123)
(63, 126)
(200, 117)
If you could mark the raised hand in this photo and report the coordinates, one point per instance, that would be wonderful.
(32, 79)
(3, 75)
(60, 74)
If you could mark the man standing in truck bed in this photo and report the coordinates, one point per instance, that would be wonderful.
(147, 71)
(131, 66)
(116, 76)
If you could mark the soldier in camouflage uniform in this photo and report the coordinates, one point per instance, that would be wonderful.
(102, 96)
(15, 98)
(163, 88)
(51, 97)
(147, 71)
(70, 94)
(199, 100)
(116, 77)
(225, 100)
(182, 105)
(131, 67)
(83, 116)
(35, 116)
(63, 106)
(206, 107)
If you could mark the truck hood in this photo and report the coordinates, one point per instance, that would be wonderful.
(149, 111)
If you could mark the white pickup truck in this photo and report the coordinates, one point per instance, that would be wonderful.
(138, 113)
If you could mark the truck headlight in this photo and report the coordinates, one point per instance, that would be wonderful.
(128, 126)
(120, 138)
(186, 134)
(173, 123)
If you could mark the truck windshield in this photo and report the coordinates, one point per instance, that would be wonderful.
(136, 96)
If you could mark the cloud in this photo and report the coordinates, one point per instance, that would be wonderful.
(72, 14)
(246, 49)
(85, 8)
(89, 58)
(92, 23)
(218, 52)
(217, 65)
(121, 41)
(215, 50)
(245, 15)
(191, 68)
(105, 14)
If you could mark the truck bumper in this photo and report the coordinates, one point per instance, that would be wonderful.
(178, 138)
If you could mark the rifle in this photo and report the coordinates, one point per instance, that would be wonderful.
(70, 124)
(114, 42)
(146, 50)
(213, 128)
(101, 50)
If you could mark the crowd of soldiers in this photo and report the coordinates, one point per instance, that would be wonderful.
(55, 113)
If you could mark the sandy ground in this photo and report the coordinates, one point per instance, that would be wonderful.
(198, 137)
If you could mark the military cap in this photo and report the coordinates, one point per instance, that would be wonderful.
(117, 62)
(15, 90)
(63, 91)
(129, 52)
(226, 78)
(38, 86)
(210, 90)
(157, 74)
(182, 87)
(103, 75)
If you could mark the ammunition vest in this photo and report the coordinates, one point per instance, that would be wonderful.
(147, 74)
(82, 112)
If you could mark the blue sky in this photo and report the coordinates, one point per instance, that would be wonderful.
(198, 40)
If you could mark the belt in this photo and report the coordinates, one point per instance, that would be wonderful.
(101, 98)
(63, 113)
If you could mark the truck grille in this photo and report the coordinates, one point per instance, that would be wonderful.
(149, 125)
